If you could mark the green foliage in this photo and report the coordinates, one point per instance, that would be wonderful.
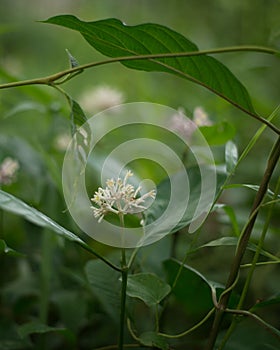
(114, 39)
(147, 287)
(174, 293)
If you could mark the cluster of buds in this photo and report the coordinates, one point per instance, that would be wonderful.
(119, 197)
(8, 170)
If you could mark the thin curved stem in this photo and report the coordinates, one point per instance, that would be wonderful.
(196, 326)
(72, 72)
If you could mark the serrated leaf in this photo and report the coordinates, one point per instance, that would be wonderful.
(154, 340)
(114, 39)
(14, 205)
(231, 156)
(147, 287)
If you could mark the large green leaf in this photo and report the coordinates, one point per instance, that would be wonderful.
(192, 289)
(250, 335)
(106, 286)
(147, 287)
(14, 205)
(195, 177)
(115, 39)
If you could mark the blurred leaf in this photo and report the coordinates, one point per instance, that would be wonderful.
(217, 134)
(269, 193)
(26, 106)
(231, 214)
(163, 196)
(153, 339)
(250, 335)
(192, 289)
(268, 302)
(36, 327)
(150, 257)
(147, 287)
(114, 39)
(10, 338)
(233, 241)
(105, 284)
(72, 313)
(231, 156)
(7, 250)
(14, 205)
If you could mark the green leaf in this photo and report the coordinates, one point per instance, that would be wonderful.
(147, 287)
(72, 314)
(195, 179)
(153, 339)
(106, 286)
(233, 241)
(36, 327)
(269, 193)
(231, 214)
(114, 39)
(14, 205)
(231, 156)
(26, 106)
(7, 250)
(217, 134)
(77, 114)
(192, 289)
(268, 302)
(251, 335)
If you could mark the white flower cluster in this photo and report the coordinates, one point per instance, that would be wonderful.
(8, 170)
(119, 197)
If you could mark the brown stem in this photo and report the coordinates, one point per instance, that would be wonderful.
(222, 305)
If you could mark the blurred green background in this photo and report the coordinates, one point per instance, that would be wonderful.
(34, 120)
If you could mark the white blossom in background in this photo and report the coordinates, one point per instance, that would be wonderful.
(200, 117)
(101, 98)
(184, 126)
(119, 197)
(8, 170)
(62, 141)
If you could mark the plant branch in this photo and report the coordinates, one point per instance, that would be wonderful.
(196, 326)
(92, 251)
(52, 80)
(244, 239)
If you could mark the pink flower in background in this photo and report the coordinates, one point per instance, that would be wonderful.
(8, 170)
